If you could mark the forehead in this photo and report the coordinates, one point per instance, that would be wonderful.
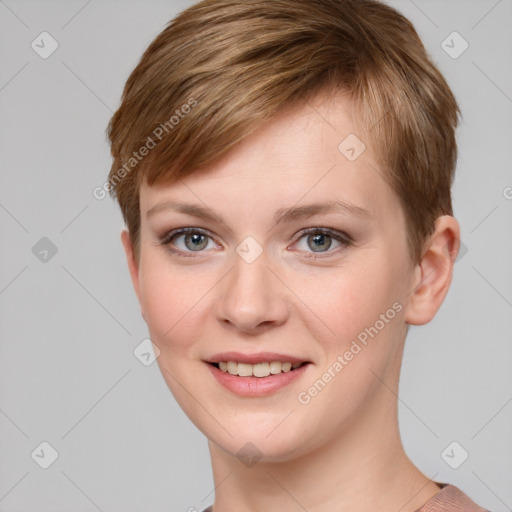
(311, 151)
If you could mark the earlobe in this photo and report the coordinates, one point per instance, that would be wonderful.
(433, 274)
(133, 266)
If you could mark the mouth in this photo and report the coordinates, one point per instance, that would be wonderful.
(259, 370)
(256, 374)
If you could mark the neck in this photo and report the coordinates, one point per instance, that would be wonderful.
(363, 468)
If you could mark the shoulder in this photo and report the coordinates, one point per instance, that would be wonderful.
(451, 499)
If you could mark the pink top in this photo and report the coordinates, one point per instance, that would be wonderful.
(448, 499)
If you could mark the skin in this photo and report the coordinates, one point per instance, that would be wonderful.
(342, 450)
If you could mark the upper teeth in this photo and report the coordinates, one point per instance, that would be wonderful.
(256, 370)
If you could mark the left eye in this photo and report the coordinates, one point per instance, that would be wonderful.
(321, 240)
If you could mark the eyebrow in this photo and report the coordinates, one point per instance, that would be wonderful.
(281, 215)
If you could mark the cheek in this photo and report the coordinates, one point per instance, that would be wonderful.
(173, 299)
(365, 312)
(345, 301)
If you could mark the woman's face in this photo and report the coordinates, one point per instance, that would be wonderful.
(266, 277)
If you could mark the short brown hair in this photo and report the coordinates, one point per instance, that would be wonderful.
(221, 68)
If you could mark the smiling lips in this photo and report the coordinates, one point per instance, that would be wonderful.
(263, 364)
(256, 374)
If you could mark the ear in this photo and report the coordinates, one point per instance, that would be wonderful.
(133, 266)
(433, 274)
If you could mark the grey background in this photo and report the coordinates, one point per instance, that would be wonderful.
(68, 375)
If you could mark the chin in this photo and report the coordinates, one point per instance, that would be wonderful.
(255, 440)
(251, 449)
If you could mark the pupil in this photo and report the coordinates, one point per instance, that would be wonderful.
(319, 242)
(196, 239)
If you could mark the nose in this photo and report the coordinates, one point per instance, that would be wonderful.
(252, 299)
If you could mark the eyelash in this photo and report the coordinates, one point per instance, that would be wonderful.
(344, 240)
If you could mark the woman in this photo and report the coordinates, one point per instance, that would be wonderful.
(284, 171)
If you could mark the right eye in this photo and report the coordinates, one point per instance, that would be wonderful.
(188, 240)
